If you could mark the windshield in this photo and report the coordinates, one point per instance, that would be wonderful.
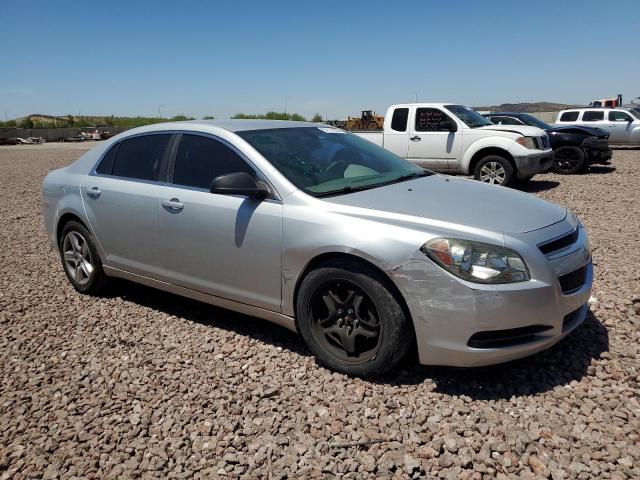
(470, 117)
(534, 122)
(325, 161)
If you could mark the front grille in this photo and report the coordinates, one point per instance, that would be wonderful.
(572, 281)
(506, 338)
(596, 142)
(559, 243)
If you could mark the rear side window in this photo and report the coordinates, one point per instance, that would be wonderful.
(430, 120)
(106, 165)
(141, 157)
(200, 159)
(619, 117)
(569, 116)
(592, 116)
(399, 119)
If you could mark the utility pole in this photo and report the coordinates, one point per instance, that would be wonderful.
(285, 104)
(415, 97)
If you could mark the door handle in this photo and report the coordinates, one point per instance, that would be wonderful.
(415, 139)
(173, 205)
(93, 192)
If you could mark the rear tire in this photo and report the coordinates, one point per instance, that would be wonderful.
(495, 170)
(569, 160)
(351, 320)
(80, 259)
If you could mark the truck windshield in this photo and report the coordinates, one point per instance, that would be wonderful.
(470, 117)
(324, 161)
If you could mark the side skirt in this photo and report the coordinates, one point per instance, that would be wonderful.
(274, 317)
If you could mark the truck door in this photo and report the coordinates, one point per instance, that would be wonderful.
(396, 137)
(431, 143)
(619, 125)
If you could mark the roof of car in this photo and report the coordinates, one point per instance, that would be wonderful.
(242, 125)
(505, 113)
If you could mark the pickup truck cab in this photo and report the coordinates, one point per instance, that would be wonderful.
(452, 139)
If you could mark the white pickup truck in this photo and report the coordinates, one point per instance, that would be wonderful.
(452, 138)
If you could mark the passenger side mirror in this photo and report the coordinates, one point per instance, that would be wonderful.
(447, 125)
(239, 183)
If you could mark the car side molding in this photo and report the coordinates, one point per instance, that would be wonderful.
(262, 313)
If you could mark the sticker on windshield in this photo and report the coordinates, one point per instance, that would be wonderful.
(331, 130)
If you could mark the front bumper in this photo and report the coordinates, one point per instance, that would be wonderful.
(449, 313)
(598, 155)
(529, 165)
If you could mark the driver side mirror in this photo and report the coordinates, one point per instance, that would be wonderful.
(239, 183)
(449, 126)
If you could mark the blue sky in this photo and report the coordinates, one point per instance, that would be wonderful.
(331, 57)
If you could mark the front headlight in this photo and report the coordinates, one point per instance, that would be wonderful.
(527, 142)
(476, 261)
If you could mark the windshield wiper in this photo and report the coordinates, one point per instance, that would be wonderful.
(402, 178)
(344, 190)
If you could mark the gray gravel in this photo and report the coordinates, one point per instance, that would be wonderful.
(146, 384)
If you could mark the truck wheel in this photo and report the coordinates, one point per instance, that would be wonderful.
(351, 320)
(569, 160)
(495, 170)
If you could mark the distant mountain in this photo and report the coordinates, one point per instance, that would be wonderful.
(527, 107)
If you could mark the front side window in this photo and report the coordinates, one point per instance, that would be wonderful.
(569, 116)
(141, 157)
(324, 161)
(593, 116)
(619, 117)
(200, 159)
(471, 118)
(400, 119)
(431, 120)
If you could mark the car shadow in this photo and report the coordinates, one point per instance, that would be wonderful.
(536, 186)
(600, 169)
(566, 361)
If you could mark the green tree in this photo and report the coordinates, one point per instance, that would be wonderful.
(297, 118)
(26, 122)
(180, 118)
(317, 118)
(208, 117)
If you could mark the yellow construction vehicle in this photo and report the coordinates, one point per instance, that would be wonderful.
(369, 120)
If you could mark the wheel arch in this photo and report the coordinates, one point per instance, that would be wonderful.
(327, 257)
(66, 218)
(485, 151)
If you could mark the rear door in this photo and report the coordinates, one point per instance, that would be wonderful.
(619, 124)
(396, 137)
(594, 118)
(431, 145)
(120, 198)
(229, 246)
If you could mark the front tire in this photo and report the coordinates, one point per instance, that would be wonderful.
(569, 160)
(351, 320)
(80, 259)
(495, 170)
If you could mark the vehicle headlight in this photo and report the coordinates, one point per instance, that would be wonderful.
(476, 261)
(527, 142)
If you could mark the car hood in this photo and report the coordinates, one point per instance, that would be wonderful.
(526, 130)
(461, 201)
(593, 131)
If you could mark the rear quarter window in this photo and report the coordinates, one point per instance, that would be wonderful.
(569, 116)
(106, 164)
(140, 158)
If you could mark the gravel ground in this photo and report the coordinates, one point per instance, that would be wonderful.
(147, 384)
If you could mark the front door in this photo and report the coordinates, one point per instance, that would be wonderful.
(431, 144)
(229, 246)
(620, 125)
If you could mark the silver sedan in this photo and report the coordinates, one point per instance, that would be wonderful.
(322, 232)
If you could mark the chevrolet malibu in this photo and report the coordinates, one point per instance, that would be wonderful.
(315, 229)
